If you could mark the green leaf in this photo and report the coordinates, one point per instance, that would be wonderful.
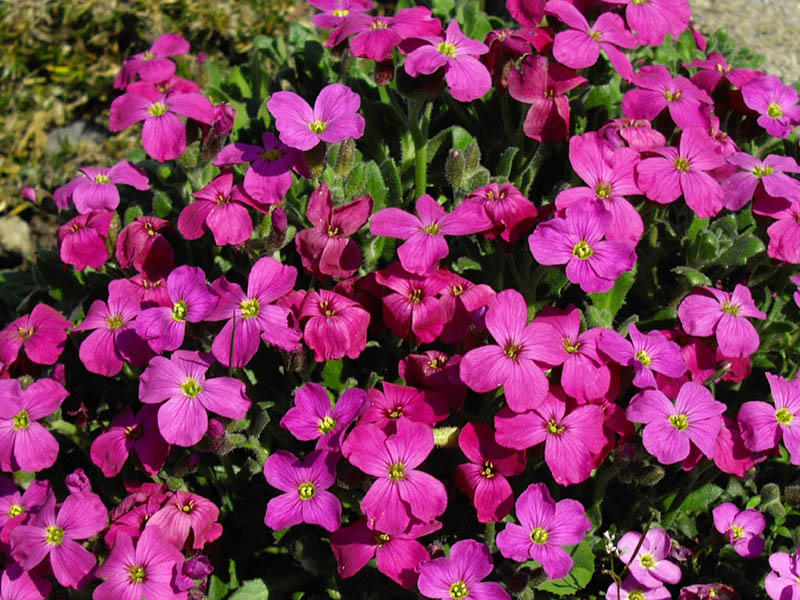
(16, 284)
(217, 589)
(461, 138)
(743, 249)
(131, 213)
(237, 79)
(394, 188)
(376, 188)
(580, 575)
(465, 264)
(506, 161)
(608, 96)
(332, 375)
(609, 303)
(162, 205)
(476, 24)
(254, 589)
(442, 8)
(693, 276)
(354, 185)
(700, 500)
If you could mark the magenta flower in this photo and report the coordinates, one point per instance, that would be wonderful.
(16, 584)
(18, 509)
(334, 117)
(184, 514)
(694, 418)
(42, 334)
(306, 483)
(715, 69)
(510, 212)
(483, 479)
(397, 553)
(776, 104)
(24, 442)
(784, 233)
(636, 132)
(125, 433)
(96, 187)
(163, 132)
(609, 175)
(57, 535)
(657, 90)
(743, 528)
(763, 425)
(220, 207)
(114, 339)
(571, 439)
(413, 308)
(466, 76)
(181, 381)
(164, 328)
(145, 571)
(579, 47)
(654, 19)
(270, 174)
(633, 590)
(577, 240)
(461, 574)
(529, 13)
(767, 175)
(783, 582)
(506, 46)
(313, 418)
(684, 170)
(326, 248)
(463, 302)
(512, 361)
(142, 245)
(153, 64)
(544, 85)
(650, 567)
(336, 11)
(254, 314)
(647, 353)
(720, 313)
(425, 245)
(397, 402)
(435, 371)
(545, 526)
(376, 37)
(335, 326)
(401, 492)
(82, 240)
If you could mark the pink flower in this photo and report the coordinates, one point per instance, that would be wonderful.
(16, 584)
(784, 234)
(694, 418)
(579, 47)
(512, 361)
(767, 175)
(716, 312)
(254, 314)
(545, 526)
(654, 19)
(397, 553)
(142, 245)
(527, 12)
(96, 188)
(483, 479)
(461, 574)
(570, 439)
(42, 334)
(544, 85)
(326, 248)
(312, 418)
(270, 174)
(336, 11)
(466, 76)
(743, 528)
(25, 443)
(401, 492)
(425, 245)
(775, 102)
(715, 69)
(58, 534)
(647, 353)
(511, 213)
(435, 371)
(335, 326)
(783, 582)
(398, 402)
(186, 513)
(650, 566)
(153, 64)
(82, 240)
(637, 133)
(763, 425)
(633, 590)
(306, 483)
(145, 571)
(658, 89)
(684, 170)
(334, 117)
(18, 509)
(577, 240)
(110, 449)
(462, 301)
(163, 132)
(506, 46)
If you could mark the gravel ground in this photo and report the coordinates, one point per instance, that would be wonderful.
(768, 27)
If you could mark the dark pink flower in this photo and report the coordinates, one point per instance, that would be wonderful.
(652, 20)
(511, 213)
(462, 300)
(181, 381)
(631, 589)
(545, 526)
(82, 240)
(305, 483)
(334, 117)
(775, 102)
(425, 245)
(715, 69)
(186, 513)
(313, 418)
(647, 353)
(18, 509)
(335, 11)
(142, 245)
(506, 46)
(743, 528)
(637, 133)
(650, 566)
(111, 448)
(398, 402)
(153, 64)
(483, 479)
(658, 89)
(24, 442)
(763, 425)
(461, 574)
(527, 12)
(334, 327)
(784, 234)
(544, 84)
(17, 584)
(767, 175)
(96, 188)
(435, 371)
(783, 582)
(42, 334)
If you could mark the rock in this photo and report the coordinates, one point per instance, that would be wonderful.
(15, 236)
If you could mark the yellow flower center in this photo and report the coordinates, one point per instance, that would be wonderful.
(271, 154)
(326, 308)
(636, 595)
(784, 416)
(54, 535)
(396, 413)
(326, 425)
(570, 346)
(432, 229)
(332, 230)
(682, 164)
(25, 333)
(730, 308)
(512, 350)
(378, 24)
(100, 178)
(762, 171)
(21, 420)
(643, 357)
(458, 590)
(775, 111)
(647, 561)
(679, 422)
(306, 490)
(397, 471)
(582, 250)
(539, 536)
(15, 510)
(555, 428)
(488, 469)
(672, 96)
(381, 539)
(416, 296)
(179, 311)
(191, 388)
(457, 289)
(317, 126)
(114, 322)
(136, 574)
(447, 48)
(340, 12)
(157, 109)
(603, 190)
(250, 308)
(738, 532)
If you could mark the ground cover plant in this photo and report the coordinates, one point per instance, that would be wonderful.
(423, 302)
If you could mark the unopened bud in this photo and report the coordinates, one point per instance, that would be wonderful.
(650, 476)
(25, 381)
(344, 160)
(473, 157)
(770, 491)
(384, 72)
(792, 495)
(315, 159)
(454, 168)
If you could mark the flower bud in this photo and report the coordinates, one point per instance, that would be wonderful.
(344, 160)
(454, 168)
(473, 157)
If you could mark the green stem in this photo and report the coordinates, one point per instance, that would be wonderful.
(419, 114)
